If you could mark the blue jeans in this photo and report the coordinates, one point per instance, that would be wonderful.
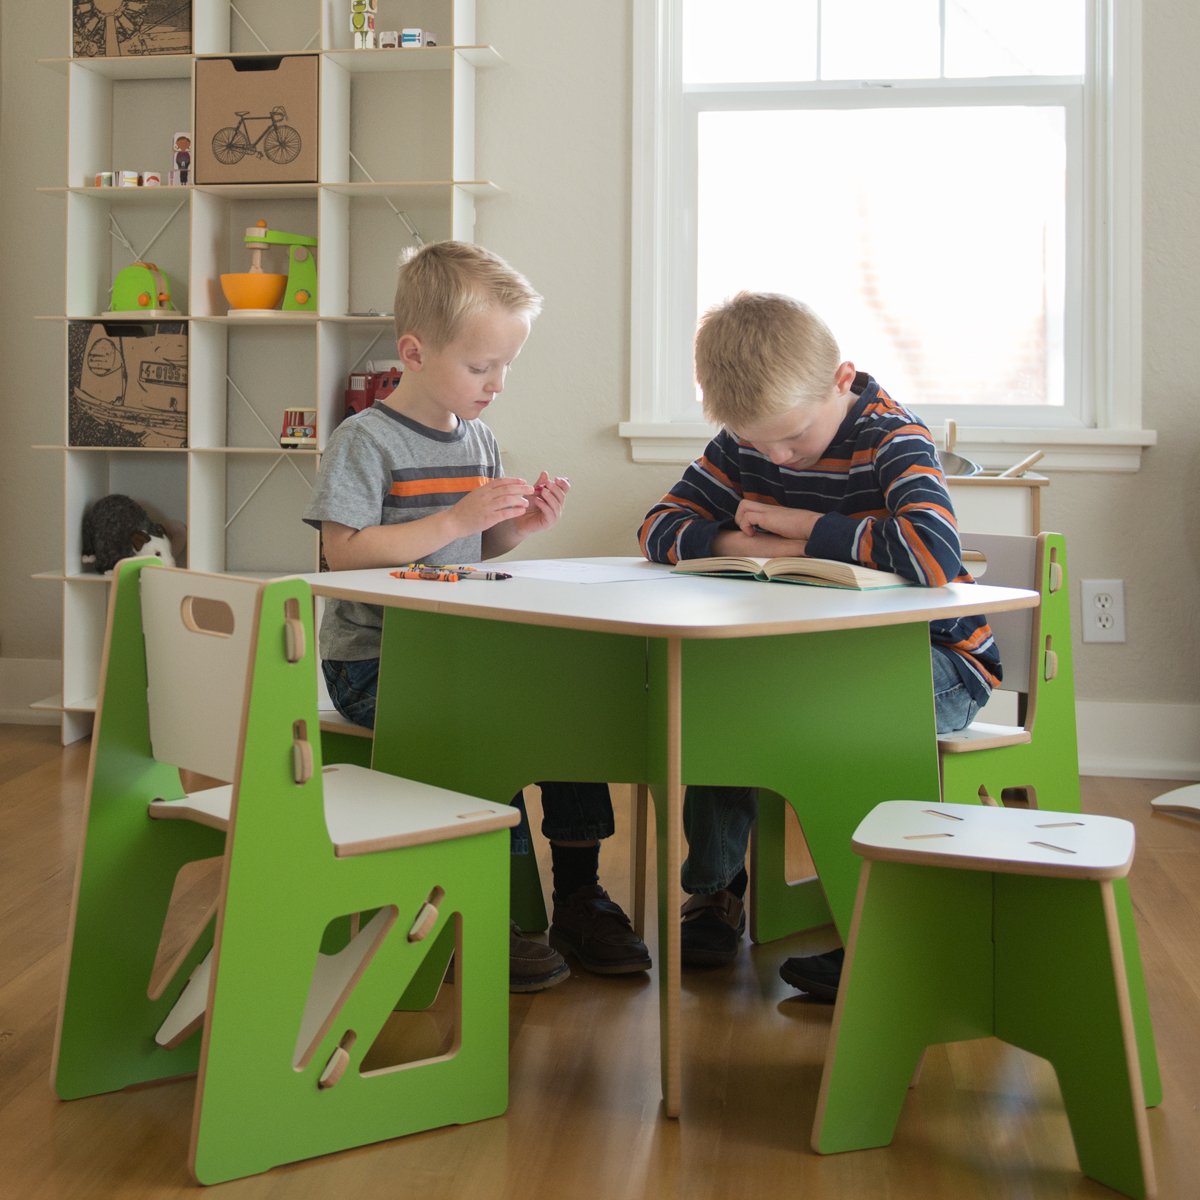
(571, 812)
(717, 820)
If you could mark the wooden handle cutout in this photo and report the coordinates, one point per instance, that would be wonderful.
(203, 615)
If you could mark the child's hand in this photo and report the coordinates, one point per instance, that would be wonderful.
(546, 504)
(795, 524)
(497, 500)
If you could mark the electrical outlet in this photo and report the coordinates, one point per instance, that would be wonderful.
(1102, 605)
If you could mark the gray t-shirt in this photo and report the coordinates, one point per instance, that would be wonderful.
(380, 468)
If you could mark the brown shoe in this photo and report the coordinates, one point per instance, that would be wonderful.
(533, 966)
(593, 928)
(711, 929)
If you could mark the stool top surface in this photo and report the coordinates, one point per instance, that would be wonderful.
(1014, 841)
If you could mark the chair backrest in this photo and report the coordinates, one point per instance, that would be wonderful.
(1012, 560)
(199, 634)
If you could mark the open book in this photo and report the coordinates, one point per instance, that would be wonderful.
(821, 572)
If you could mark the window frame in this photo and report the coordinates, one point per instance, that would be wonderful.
(1108, 437)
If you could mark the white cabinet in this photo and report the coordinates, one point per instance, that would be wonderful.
(396, 163)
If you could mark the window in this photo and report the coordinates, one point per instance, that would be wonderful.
(956, 192)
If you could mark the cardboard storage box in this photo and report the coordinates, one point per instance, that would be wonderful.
(114, 30)
(256, 120)
(128, 383)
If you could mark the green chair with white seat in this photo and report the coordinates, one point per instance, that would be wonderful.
(1038, 753)
(216, 675)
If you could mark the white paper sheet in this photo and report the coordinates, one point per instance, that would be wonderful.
(566, 570)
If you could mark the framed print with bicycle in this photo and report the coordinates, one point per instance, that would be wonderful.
(256, 119)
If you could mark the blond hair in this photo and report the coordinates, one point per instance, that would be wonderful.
(759, 355)
(440, 285)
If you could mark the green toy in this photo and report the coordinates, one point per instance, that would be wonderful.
(301, 291)
(261, 291)
(142, 288)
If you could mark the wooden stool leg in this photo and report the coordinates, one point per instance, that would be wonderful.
(1062, 993)
(1140, 1004)
(918, 972)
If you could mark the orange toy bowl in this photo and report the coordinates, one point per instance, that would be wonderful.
(258, 290)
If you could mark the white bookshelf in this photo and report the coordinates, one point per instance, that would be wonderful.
(397, 133)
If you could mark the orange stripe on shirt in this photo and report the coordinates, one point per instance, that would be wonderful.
(433, 487)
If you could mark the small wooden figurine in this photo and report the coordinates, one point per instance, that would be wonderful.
(362, 23)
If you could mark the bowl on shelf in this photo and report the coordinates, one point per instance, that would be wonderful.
(257, 290)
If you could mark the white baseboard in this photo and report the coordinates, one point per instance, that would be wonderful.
(23, 683)
(1139, 741)
(1130, 741)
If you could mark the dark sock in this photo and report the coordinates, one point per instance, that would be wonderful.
(737, 885)
(574, 867)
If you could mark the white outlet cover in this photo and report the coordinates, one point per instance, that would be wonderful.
(1102, 610)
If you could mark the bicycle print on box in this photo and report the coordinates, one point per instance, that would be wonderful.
(256, 119)
(280, 143)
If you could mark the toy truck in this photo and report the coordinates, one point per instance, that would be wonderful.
(299, 429)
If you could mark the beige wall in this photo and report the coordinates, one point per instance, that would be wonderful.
(554, 131)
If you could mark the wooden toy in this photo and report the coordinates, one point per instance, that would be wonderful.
(362, 23)
(143, 289)
(299, 429)
(261, 291)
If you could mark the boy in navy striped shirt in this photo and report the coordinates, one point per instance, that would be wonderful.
(812, 458)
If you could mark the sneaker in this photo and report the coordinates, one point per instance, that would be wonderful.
(711, 929)
(592, 927)
(818, 974)
(533, 966)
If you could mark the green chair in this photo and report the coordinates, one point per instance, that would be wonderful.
(1037, 757)
(343, 893)
(972, 922)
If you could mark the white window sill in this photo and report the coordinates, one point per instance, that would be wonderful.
(991, 447)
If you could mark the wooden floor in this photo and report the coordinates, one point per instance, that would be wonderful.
(585, 1119)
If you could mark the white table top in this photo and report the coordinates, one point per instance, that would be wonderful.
(658, 603)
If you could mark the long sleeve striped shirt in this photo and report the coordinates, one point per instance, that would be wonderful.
(884, 501)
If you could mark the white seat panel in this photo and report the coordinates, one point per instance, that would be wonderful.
(1008, 840)
(366, 811)
(980, 735)
(369, 810)
(209, 807)
(332, 721)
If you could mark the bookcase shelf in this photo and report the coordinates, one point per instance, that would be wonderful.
(396, 136)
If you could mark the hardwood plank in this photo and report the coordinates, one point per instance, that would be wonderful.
(585, 1116)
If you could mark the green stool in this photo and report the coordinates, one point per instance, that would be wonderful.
(975, 922)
